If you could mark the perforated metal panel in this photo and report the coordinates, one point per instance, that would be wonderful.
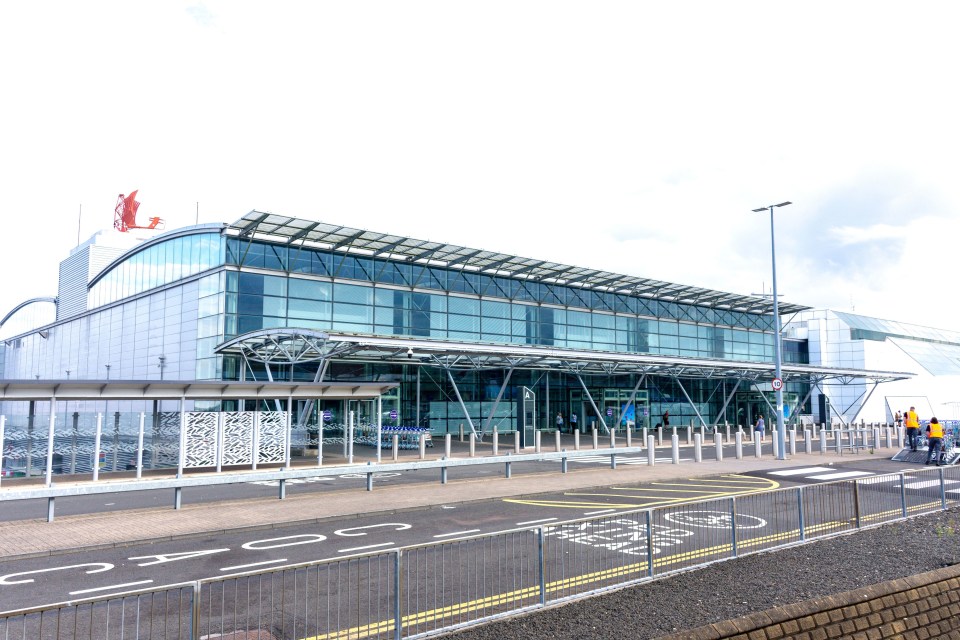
(201, 438)
(238, 437)
(272, 434)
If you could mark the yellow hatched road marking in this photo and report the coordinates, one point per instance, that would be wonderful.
(532, 593)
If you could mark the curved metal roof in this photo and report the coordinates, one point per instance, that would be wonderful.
(25, 303)
(270, 227)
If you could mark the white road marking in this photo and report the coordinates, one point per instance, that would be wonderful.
(253, 564)
(928, 483)
(369, 546)
(523, 524)
(113, 586)
(840, 474)
(596, 513)
(457, 533)
(797, 472)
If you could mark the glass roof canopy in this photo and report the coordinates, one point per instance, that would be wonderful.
(319, 235)
(287, 346)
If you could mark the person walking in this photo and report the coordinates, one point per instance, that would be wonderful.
(573, 421)
(912, 423)
(898, 419)
(666, 419)
(934, 441)
(759, 428)
(559, 421)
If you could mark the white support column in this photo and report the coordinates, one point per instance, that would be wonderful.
(53, 419)
(349, 438)
(219, 438)
(379, 425)
(593, 404)
(692, 405)
(140, 446)
(3, 424)
(463, 407)
(496, 403)
(182, 458)
(96, 447)
(288, 444)
(255, 442)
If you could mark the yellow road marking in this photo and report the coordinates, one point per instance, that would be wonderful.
(720, 493)
(531, 594)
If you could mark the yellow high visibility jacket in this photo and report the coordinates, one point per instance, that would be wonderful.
(911, 420)
(936, 430)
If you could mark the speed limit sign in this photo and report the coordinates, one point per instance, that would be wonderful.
(777, 384)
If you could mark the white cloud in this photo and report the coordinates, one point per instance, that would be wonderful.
(632, 137)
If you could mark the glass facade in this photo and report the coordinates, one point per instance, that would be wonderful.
(156, 264)
(471, 307)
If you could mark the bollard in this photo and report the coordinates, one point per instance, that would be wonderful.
(369, 479)
(876, 438)
(718, 444)
(775, 439)
(396, 447)
(673, 431)
(689, 435)
(613, 438)
(889, 439)
(823, 442)
(659, 436)
(629, 431)
(507, 466)
(596, 445)
(283, 489)
(516, 441)
(757, 447)
(752, 435)
(697, 447)
(645, 434)
(739, 439)
(563, 463)
(446, 445)
(613, 461)
(838, 438)
(651, 451)
(675, 448)
(556, 440)
(576, 440)
(461, 432)
(899, 438)
(177, 496)
(807, 442)
(793, 442)
(536, 441)
(422, 442)
(728, 432)
(443, 475)
(473, 444)
(496, 441)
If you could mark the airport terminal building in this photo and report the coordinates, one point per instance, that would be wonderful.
(462, 337)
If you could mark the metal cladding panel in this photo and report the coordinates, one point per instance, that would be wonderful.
(72, 291)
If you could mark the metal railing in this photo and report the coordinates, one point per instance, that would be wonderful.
(426, 589)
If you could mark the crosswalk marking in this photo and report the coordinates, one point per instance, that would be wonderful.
(930, 483)
(841, 474)
(797, 472)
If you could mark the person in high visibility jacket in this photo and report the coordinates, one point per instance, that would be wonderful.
(912, 423)
(934, 440)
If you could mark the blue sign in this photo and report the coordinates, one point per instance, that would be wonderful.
(327, 416)
(393, 414)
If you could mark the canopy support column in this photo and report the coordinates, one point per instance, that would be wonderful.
(633, 397)
(456, 391)
(727, 402)
(692, 406)
(593, 404)
(496, 402)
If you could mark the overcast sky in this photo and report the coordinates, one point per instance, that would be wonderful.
(634, 137)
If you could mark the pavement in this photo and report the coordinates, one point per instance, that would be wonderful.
(38, 538)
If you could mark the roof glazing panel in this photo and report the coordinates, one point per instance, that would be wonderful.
(320, 235)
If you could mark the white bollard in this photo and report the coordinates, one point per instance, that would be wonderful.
(395, 447)
(596, 444)
(807, 442)
(775, 439)
(496, 441)
(516, 441)
(739, 438)
(659, 436)
(889, 439)
(446, 446)
(629, 444)
(793, 442)
(823, 442)
(690, 435)
(613, 438)
(536, 441)
(718, 444)
(651, 451)
(675, 448)
(556, 440)
(576, 440)
(422, 444)
(757, 447)
(473, 444)
(697, 447)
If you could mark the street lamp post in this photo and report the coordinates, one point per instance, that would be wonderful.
(781, 452)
